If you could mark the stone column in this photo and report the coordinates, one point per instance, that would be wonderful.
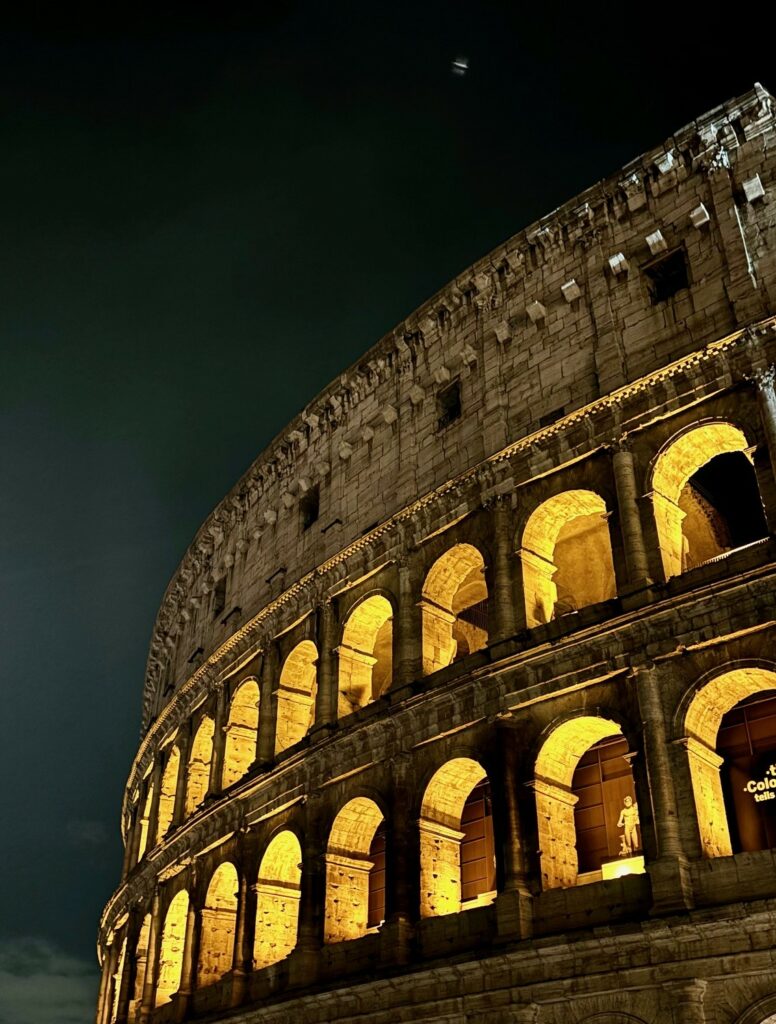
(303, 966)
(179, 808)
(408, 642)
(630, 519)
(514, 905)
(402, 868)
(671, 885)
(132, 932)
(152, 962)
(686, 999)
(242, 962)
(153, 814)
(265, 751)
(503, 603)
(766, 398)
(326, 696)
(219, 743)
(105, 1003)
(133, 837)
(182, 999)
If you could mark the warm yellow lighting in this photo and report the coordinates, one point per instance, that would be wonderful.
(455, 582)
(219, 916)
(241, 730)
(141, 965)
(365, 655)
(619, 868)
(171, 950)
(296, 695)
(347, 869)
(144, 822)
(198, 776)
(567, 556)
(167, 794)
(278, 888)
(117, 981)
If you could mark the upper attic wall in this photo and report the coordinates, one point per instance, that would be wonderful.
(541, 326)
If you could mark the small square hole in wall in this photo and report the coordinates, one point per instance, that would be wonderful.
(667, 275)
(449, 404)
(219, 597)
(309, 506)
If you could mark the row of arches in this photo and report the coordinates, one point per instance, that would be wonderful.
(705, 499)
(588, 828)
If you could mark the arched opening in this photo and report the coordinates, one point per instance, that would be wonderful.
(171, 949)
(116, 981)
(731, 747)
(241, 731)
(296, 696)
(141, 965)
(705, 497)
(145, 822)
(586, 807)
(219, 918)
(198, 776)
(167, 794)
(566, 555)
(365, 654)
(457, 852)
(279, 889)
(350, 874)
(454, 607)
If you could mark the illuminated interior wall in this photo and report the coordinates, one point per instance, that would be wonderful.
(171, 949)
(567, 556)
(365, 655)
(241, 731)
(219, 920)
(120, 968)
(296, 696)
(141, 965)
(454, 584)
(167, 793)
(348, 868)
(145, 822)
(555, 801)
(441, 835)
(672, 502)
(278, 888)
(702, 723)
(198, 775)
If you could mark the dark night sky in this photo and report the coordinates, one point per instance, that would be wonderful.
(202, 224)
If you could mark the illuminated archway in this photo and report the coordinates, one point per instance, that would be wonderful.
(454, 607)
(584, 783)
(141, 966)
(219, 918)
(296, 696)
(167, 793)
(349, 869)
(171, 948)
(454, 843)
(567, 556)
(144, 823)
(241, 730)
(365, 654)
(691, 525)
(709, 706)
(278, 888)
(198, 776)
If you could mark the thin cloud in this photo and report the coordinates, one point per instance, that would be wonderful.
(41, 984)
(83, 833)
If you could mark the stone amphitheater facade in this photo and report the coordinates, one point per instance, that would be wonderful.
(444, 706)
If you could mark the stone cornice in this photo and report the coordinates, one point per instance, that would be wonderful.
(694, 148)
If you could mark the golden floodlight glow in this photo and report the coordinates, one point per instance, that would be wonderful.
(279, 889)
(347, 869)
(673, 468)
(620, 868)
(198, 775)
(241, 730)
(296, 695)
(219, 917)
(704, 715)
(567, 556)
(141, 966)
(171, 949)
(441, 835)
(365, 655)
(167, 793)
(555, 765)
(455, 582)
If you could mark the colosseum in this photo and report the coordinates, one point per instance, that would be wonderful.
(461, 706)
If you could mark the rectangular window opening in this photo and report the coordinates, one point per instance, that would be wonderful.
(667, 275)
(310, 505)
(219, 597)
(449, 404)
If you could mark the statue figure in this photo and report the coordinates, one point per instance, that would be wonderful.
(629, 822)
